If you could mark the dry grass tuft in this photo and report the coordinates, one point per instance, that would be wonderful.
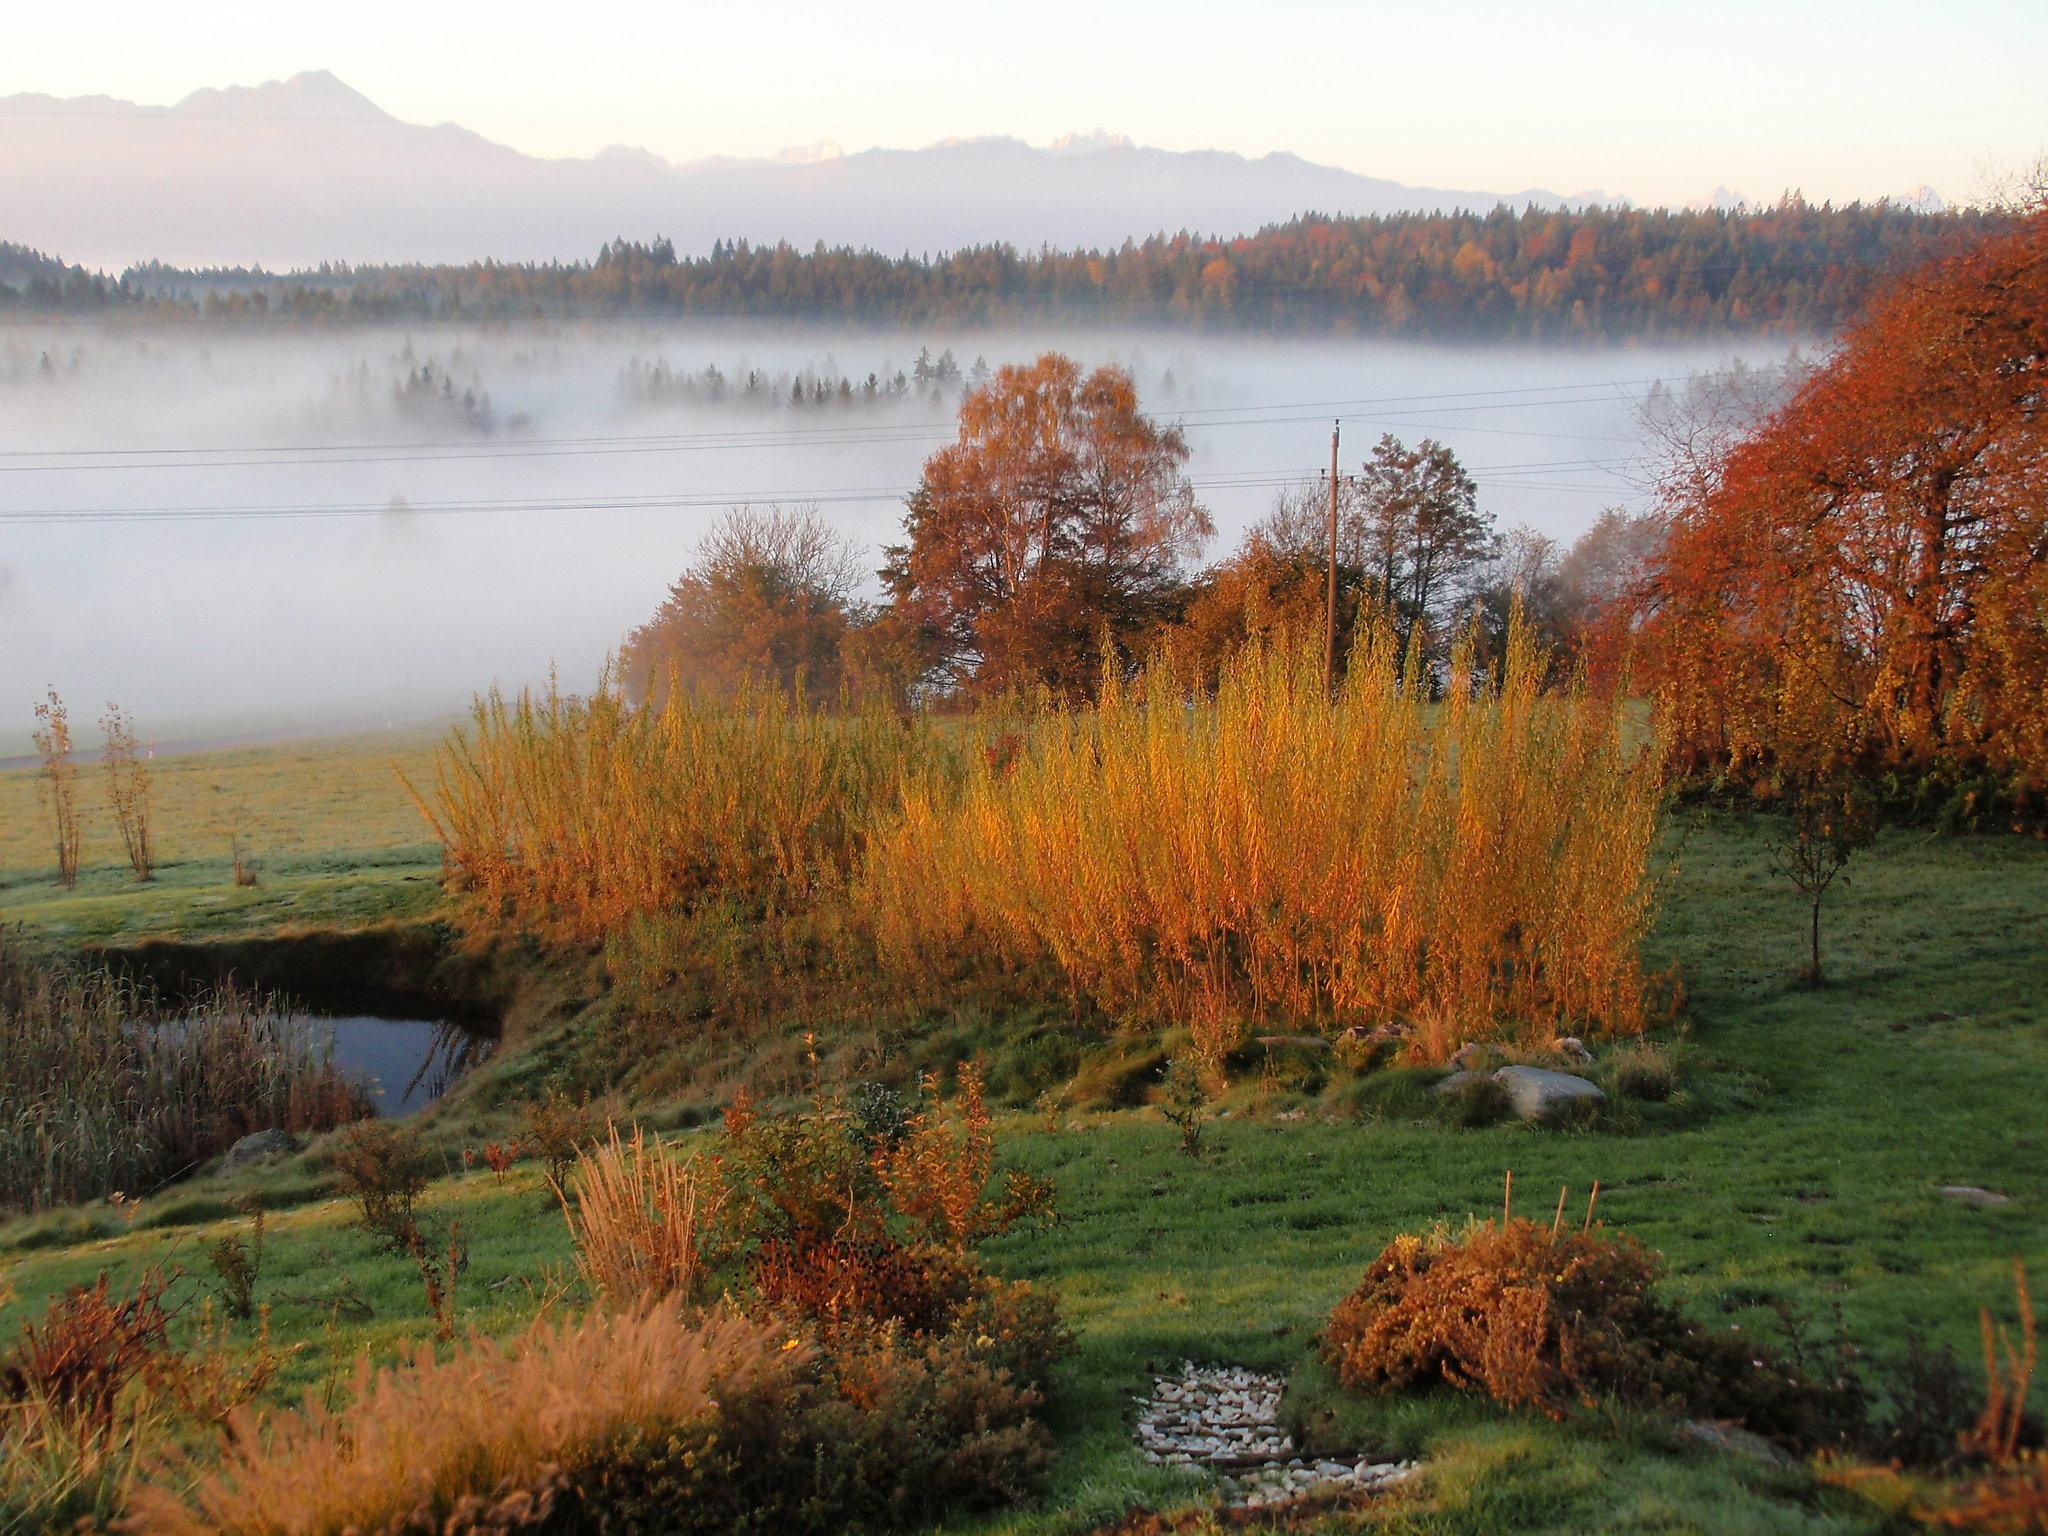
(636, 1215)
(423, 1441)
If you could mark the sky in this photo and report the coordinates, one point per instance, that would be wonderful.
(1656, 102)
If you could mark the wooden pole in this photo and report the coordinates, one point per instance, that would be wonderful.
(1330, 593)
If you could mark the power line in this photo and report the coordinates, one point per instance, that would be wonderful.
(778, 436)
(214, 512)
(128, 459)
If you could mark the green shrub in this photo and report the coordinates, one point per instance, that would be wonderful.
(1477, 1101)
(383, 1169)
(1639, 1069)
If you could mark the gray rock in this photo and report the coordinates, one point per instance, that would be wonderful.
(1573, 1047)
(1538, 1093)
(1970, 1194)
(1733, 1440)
(1456, 1081)
(256, 1147)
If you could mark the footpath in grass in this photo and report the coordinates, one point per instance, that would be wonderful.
(1811, 1182)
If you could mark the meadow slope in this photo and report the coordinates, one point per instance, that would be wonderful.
(1801, 1165)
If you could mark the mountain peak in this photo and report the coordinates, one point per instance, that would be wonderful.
(1088, 143)
(313, 96)
(810, 154)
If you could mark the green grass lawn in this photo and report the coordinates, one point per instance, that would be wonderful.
(1805, 1172)
(326, 823)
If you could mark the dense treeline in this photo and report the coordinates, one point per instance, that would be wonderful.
(1795, 268)
(31, 280)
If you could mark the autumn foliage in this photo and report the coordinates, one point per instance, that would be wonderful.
(1060, 522)
(567, 816)
(1863, 579)
(1470, 868)
(1544, 1317)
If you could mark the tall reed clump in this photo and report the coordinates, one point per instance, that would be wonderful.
(100, 1090)
(1469, 868)
(570, 816)
(488, 1437)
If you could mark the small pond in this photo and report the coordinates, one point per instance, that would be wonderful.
(406, 1063)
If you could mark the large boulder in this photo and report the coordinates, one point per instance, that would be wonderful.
(1538, 1093)
(256, 1147)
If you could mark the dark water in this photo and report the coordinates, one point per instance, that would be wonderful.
(406, 1063)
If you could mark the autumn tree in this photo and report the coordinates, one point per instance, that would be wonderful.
(1865, 573)
(60, 782)
(128, 790)
(770, 598)
(1423, 542)
(1060, 520)
(1272, 587)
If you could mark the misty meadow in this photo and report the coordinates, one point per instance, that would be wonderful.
(1120, 835)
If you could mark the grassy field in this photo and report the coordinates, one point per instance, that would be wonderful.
(326, 822)
(1804, 1169)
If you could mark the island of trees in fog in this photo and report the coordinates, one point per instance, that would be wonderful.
(1794, 269)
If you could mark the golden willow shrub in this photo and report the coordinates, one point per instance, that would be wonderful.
(569, 816)
(1471, 868)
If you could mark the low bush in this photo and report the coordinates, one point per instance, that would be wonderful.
(383, 1169)
(1639, 1069)
(93, 1392)
(2010, 1491)
(1555, 1320)
(1478, 1101)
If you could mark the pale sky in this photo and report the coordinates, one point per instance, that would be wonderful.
(1657, 102)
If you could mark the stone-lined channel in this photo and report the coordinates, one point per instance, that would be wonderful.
(1226, 1419)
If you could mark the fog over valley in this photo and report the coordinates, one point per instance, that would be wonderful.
(226, 528)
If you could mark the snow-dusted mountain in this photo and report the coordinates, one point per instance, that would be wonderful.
(294, 172)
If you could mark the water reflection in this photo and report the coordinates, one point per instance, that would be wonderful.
(405, 1064)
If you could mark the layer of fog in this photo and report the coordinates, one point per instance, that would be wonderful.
(416, 578)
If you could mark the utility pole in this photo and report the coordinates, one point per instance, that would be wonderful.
(1330, 595)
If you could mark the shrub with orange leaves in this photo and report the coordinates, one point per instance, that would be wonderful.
(2012, 1494)
(1537, 1317)
(844, 1221)
(1478, 863)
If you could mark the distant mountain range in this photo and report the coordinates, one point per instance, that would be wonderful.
(306, 170)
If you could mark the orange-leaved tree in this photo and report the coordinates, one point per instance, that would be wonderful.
(1863, 578)
(1061, 517)
(770, 600)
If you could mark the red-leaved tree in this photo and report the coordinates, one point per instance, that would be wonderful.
(1863, 578)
